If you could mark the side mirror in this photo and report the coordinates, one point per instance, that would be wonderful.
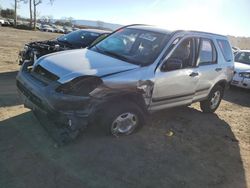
(172, 64)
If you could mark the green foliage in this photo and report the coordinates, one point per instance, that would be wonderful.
(8, 13)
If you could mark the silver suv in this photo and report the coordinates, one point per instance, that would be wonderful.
(136, 70)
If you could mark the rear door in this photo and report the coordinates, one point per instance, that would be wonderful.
(208, 68)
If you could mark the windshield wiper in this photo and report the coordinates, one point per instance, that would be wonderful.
(115, 55)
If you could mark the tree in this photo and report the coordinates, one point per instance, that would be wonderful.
(35, 4)
(8, 13)
(31, 13)
(50, 18)
(15, 9)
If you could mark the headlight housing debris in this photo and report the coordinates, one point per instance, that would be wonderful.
(80, 86)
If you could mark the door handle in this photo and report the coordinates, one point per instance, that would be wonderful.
(218, 69)
(193, 74)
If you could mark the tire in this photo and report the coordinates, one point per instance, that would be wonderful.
(128, 113)
(213, 101)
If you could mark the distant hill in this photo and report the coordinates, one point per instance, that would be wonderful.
(97, 24)
(241, 42)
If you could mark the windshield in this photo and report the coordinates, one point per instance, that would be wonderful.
(79, 38)
(243, 57)
(133, 45)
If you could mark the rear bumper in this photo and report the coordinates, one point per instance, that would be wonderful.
(67, 111)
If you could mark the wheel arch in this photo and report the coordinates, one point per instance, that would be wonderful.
(134, 97)
(223, 83)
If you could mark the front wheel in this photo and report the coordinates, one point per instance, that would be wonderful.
(213, 101)
(123, 119)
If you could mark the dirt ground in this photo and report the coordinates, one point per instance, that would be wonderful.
(206, 150)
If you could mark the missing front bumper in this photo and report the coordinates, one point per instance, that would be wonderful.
(53, 112)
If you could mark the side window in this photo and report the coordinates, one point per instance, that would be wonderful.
(225, 49)
(207, 53)
(182, 57)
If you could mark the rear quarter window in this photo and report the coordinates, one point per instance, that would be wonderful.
(225, 49)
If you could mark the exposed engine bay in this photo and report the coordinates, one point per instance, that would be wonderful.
(34, 50)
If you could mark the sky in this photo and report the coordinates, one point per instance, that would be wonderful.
(228, 17)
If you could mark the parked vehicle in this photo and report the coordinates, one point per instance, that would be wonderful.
(57, 29)
(4, 22)
(242, 69)
(78, 39)
(11, 21)
(47, 28)
(235, 49)
(67, 29)
(1, 21)
(134, 71)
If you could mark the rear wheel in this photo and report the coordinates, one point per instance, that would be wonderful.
(123, 119)
(213, 101)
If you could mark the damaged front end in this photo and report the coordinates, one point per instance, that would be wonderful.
(73, 95)
(43, 94)
(70, 107)
(34, 50)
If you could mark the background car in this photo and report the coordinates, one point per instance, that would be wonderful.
(235, 49)
(74, 40)
(47, 28)
(242, 69)
(67, 29)
(57, 28)
(11, 21)
(4, 22)
(1, 21)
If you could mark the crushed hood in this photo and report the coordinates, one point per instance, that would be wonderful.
(70, 64)
(241, 67)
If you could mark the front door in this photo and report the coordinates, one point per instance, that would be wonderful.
(176, 80)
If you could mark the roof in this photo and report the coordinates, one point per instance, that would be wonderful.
(165, 31)
(150, 28)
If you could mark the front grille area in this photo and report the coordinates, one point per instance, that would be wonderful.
(33, 98)
(45, 74)
(235, 82)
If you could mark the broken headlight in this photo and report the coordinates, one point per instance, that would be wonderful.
(80, 86)
(245, 74)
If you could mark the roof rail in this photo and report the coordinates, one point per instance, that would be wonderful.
(205, 33)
